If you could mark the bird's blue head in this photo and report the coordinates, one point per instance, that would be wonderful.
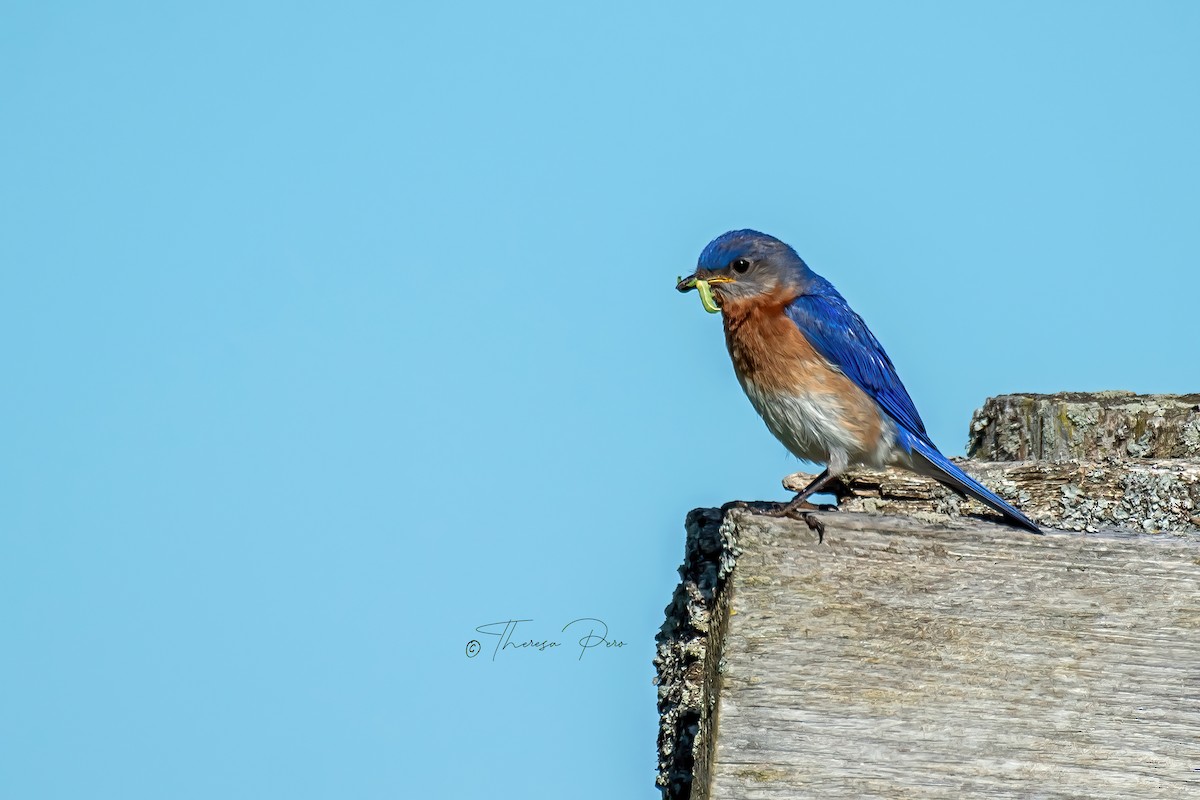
(743, 264)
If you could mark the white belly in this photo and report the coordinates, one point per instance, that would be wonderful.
(811, 426)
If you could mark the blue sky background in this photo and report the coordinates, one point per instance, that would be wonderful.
(332, 331)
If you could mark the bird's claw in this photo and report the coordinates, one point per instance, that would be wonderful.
(814, 523)
(802, 512)
(789, 509)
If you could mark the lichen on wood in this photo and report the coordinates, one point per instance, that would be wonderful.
(1150, 496)
(688, 652)
(1087, 426)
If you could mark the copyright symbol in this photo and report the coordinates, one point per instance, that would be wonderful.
(472, 648)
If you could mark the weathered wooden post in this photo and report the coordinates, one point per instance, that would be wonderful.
(922, 651)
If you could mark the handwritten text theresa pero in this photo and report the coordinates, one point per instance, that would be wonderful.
(505, 637)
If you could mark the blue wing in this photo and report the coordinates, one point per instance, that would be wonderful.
(844, 340)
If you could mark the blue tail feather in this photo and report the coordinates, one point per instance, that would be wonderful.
(939, 467)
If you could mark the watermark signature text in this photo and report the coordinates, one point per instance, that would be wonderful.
(592, 633)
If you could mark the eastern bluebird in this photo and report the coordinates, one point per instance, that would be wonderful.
(814, 372)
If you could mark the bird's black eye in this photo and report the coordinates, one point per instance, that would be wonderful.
(740, 265)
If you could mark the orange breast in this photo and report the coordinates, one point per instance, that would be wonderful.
(770, 353)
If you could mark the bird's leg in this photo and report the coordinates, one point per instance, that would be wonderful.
(800, 504)
(800, 501)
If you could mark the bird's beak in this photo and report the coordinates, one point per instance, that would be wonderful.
(702, 286)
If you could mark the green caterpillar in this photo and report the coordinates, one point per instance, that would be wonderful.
(706, 297)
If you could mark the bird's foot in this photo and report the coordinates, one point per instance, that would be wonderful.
(810, 519)
(814, 523)
(792, 508)
(795, 509)
(802, 511)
